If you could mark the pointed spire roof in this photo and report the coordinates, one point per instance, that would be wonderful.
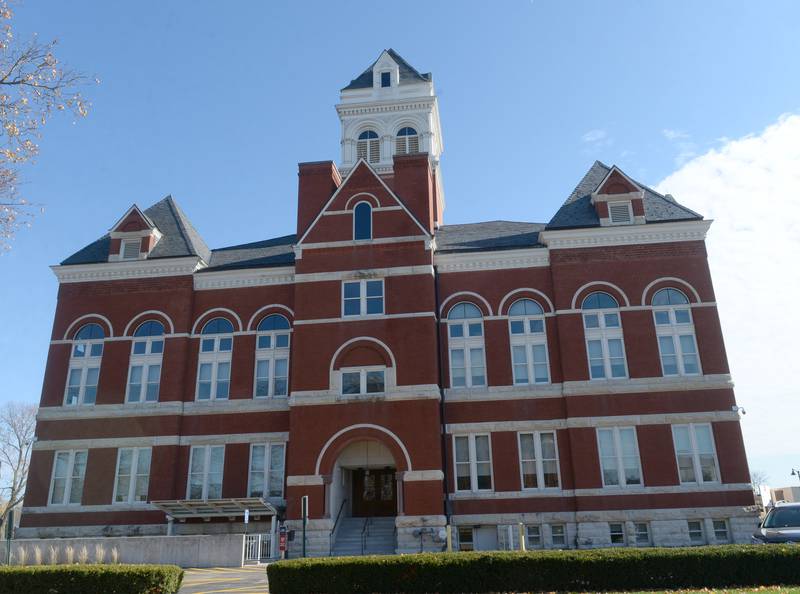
(179, 237)
(407, 73)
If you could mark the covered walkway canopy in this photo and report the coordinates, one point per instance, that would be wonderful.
(184, 509)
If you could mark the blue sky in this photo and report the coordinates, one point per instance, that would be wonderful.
(215, 103)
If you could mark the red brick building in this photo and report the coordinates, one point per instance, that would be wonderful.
(569, 376)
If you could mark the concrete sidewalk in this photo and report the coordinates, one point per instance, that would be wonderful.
(225, 580)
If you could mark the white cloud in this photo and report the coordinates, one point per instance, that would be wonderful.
(751, 188)
(594, 136)
(671, 134)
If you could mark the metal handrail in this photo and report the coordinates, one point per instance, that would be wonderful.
(364, 534)
(333, 530)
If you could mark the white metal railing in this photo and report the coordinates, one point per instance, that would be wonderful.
(257, 547)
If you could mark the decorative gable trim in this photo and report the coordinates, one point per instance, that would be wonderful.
(617, 170)
(136, 210)
(344, 184)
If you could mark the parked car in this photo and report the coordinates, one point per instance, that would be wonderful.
(782, 525)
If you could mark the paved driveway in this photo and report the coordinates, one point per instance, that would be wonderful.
(225, 580)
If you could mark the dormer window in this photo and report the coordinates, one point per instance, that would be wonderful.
(386, 79)
(130, 249)
(368, 146)
(620, 213)
(407, 141)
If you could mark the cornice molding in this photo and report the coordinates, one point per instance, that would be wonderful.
(232, 279)
(111, 271)
(626, 235)
(357, 109)
(497, 260)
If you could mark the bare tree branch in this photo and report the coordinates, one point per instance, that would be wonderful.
(17, 428)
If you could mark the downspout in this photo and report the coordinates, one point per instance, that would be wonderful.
(445, 468)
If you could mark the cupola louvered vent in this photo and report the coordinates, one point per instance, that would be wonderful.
(368, 146)
(407, 141)
(619, 213)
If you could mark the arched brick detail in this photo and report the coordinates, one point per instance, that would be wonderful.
(360, 349)
(268, 310)
(476, 299)
(602, 287)
(80, 322)
(334, 448)
(144, 316)
(362, 197)
(217, 312)
(525, 293)
(669, 282)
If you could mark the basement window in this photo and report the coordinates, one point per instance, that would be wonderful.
(620, 213)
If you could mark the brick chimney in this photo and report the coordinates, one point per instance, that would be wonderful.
(413, 184)
(317, 181)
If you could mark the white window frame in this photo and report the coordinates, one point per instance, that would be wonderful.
(130, 496)
(621, 531)
(702, 540)
(473, 463)
(126, 242)
(145, 361)
(620, 463)
(727, 528)
(362, 371)
(207, 449)
(626, 203)
(270, 355)
(697, 466)
(467, 344)
(403, 144)
(638, 534)
(539, 460)
(214, 358)
(528, 340)
(371, 147)
(71, 454)
(675, 331)
(362, 297)
(471, 542)
(528, 543)
(83, 364)
(267, 470)
(561, 545)
(604, 334)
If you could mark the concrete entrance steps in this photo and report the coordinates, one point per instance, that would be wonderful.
(379, 537)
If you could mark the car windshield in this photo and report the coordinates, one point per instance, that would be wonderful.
(783, 518)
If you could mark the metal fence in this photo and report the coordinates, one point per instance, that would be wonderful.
(257, 547)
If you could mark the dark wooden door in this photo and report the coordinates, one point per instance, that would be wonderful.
(374, 494)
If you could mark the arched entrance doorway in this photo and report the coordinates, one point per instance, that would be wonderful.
(364, 481)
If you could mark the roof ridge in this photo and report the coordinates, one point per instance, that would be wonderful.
(187, 229)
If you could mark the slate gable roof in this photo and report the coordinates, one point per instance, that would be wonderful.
(259, 254)
(179, 237)
(578, 210)
(488, 236)
(407, 73)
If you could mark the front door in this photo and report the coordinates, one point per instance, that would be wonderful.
(374, 493)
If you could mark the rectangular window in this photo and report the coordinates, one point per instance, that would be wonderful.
(721, 533)
(272, 377)
(465, 542)
(84, 373)
(619, 457)
(605, 350)
(214, 380)
(473, 461)
(467, 367)
(642, 533)
(132, 476)
(696, 533)
(69, 471)
(530, 361)
(676, 341)
(538, 460)
(266, 470)
(534, 537)
(695, 453)
(617, 532)
(143, 380)
(362, 298)
(130, 249)
(386, 79)
(558, 533)
(205, 472)
(367, 380)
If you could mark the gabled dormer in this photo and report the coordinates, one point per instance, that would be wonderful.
(133, 237)
(618, 200)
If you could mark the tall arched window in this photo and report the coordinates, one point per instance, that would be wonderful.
(84, 365)
(272, 357)
(362, 221)
(603, 330)
(467, 360)
(407, 141)
(528, 342)
(675, 331)
(368, 146)
(144, 374)
(214, 364)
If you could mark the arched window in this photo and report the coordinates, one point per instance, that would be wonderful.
(144, 374)
(362, 221)
(407, 141)
(675, 332)
(603, 330)
(368, 146)
(272, 357)
(467, 360)
(214, 365)
(84, 365)
(528, 342)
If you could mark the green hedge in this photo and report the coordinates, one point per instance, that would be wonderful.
(543, 571)
(91, 579)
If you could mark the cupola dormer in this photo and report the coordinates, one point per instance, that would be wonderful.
(133, 237)
(619, 200)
